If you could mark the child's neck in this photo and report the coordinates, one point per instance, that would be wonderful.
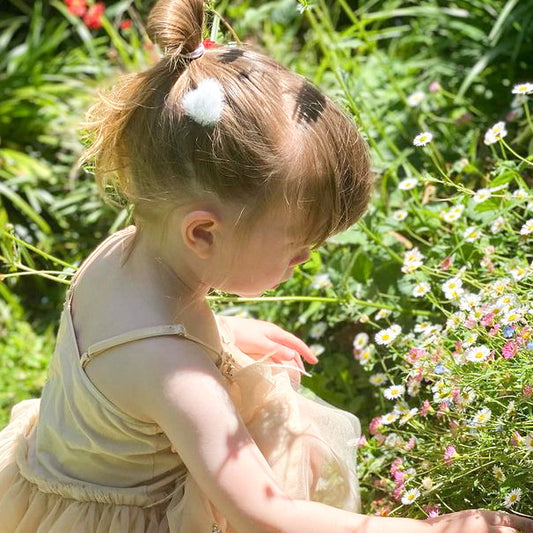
(167, 264)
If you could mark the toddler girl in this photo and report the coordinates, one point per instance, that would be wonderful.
(156, 416)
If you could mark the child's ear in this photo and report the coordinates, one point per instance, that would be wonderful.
(198, 229)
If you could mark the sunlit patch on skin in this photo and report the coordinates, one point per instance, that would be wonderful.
(310, 103)
(231, 55)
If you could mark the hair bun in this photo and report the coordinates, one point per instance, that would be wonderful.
(176, 25)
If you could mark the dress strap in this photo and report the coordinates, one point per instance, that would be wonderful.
(143, 333)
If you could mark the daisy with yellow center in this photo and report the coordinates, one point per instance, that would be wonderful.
(423, 138)
(410, 496)
(523, 88)
(495, 134)
(477, 354)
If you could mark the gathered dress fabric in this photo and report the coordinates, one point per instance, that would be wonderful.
(73, 461)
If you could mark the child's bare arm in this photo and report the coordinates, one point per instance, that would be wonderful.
(184, 393)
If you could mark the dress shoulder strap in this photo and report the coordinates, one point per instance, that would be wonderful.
(143, 333)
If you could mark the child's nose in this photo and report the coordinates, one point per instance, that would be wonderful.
(302, 257)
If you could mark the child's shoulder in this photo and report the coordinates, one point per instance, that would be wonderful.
(110, 301)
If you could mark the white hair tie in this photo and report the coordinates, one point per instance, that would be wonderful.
(205, 103)
(196, 53)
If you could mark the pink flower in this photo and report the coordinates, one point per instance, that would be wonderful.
(509, 350)
(494, 330)
(410, 445)
(398, 491)
(374, 425)
(434, 87)
(380, 438)
(424, 410)
(527, 391)
(516, 438)
(454, 427)
(470, 323)
(432, 510)
(487, 320)
(362, 441)
(396, 464)
(443, 408)
(450, 453)
(446, 263)
(415, 354)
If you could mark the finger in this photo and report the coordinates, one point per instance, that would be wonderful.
(521, 523)
(279, 353)
(286, 354)
(292, 341)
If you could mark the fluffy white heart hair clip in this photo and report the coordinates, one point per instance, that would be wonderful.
(205, 103)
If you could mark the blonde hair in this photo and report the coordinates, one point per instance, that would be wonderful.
(279, 139)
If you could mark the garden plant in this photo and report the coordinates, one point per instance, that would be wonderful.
(421, 313)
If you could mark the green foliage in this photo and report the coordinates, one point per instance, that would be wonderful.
(25, 358)
(400, 68)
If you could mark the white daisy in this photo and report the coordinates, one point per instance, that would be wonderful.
(317, 330)
(423, 138)
(519, 272)
(410, 496)
(477, 354)
(495, 133)
(394, 391)
(389, 418)
(407, 184)
(400, 215)
(321, 281)
(498, 473)
(512, 316)
(513, 497)
(377, 379)
(407, 416)
(527, 228)
(470, 340)
(427, 483)
(528, 442)
(382, 313)
(360, 341)
(396, 329)
(421, 289)
(481, 417)
(455, 320)
(497, 225)
(412, 260)
(471, 234)
(520, 194)
(453, 214)
(414, 100)
(365, 356)
(317, 349)
(452, 287)
(523, 88)
(481, 195)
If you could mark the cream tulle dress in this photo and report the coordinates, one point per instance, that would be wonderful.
(73, 461)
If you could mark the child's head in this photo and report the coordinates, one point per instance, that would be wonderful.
(229, 125)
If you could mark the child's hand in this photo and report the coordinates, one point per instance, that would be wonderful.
(480, 521)
(258, 338)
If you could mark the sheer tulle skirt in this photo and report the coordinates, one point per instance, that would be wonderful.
(310, 445)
